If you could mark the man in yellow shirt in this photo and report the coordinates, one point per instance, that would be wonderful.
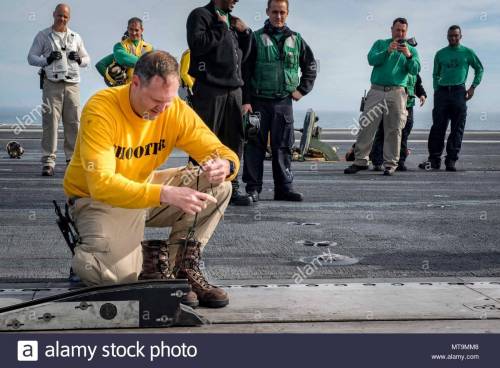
(115, 189)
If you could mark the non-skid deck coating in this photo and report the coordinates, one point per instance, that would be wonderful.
(434, 226)
(415, 224)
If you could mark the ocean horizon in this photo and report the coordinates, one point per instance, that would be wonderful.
(27, 116)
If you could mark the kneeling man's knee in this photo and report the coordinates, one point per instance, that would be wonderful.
(223, 191)
(95, 271)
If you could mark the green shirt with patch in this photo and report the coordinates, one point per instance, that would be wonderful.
(451, 66)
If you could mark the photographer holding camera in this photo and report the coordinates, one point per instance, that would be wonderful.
(393, 61)
(60, 53)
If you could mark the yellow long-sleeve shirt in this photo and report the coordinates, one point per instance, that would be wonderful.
(116, 150)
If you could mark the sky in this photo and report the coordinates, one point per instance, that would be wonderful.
(340, 34)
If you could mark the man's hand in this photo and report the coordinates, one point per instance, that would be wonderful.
(238, 24)
(392, 46)
(216, 171)
(54, 55)
(222, 18)
(186, 199)
(422, 100)
(470, 93)
(246, 108)
(296, 95)
(404, 50)
(73, 55)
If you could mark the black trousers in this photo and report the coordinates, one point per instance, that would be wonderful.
(377, 152)
(220, 109)
(276, 116)
(449, 105)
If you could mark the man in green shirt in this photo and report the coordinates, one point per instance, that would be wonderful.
(393, 60)
(451, 67)
(118, 67)
(281, 69)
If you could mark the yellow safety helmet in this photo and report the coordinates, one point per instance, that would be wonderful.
(116, 75)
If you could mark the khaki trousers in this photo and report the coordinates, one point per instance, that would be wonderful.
(60, 99)
(110, 251)
(389, 104)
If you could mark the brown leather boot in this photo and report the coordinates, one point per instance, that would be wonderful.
(155, 266)
(187, 266)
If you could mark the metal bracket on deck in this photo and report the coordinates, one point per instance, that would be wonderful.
(143, 304)
(311, 146)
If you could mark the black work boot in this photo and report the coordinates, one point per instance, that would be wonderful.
(48, 171)
(254, 195)
(187, 266)
(401, 167)
(349, 156)
(290, 196)
(238, 199)
(155, 266)
(450, 165)
(430, 165)
(353, 169)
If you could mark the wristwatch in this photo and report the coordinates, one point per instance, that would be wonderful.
(232, 168)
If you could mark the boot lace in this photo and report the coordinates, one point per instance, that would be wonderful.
(192, 266)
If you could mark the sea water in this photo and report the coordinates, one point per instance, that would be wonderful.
(476, 120)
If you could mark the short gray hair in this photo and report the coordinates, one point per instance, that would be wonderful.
(156, 63)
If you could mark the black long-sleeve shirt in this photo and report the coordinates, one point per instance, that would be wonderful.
(217, 52)
(419, 88)
(307, 63)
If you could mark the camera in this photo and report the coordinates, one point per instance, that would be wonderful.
(411, 41)
(251, 125)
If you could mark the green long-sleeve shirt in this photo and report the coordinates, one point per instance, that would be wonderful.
(223, 13)
(412, 81)
(451, 66)
(123, 57)
(392, 69)
(104, 63)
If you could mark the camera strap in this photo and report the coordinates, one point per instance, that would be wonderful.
(191, 233)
